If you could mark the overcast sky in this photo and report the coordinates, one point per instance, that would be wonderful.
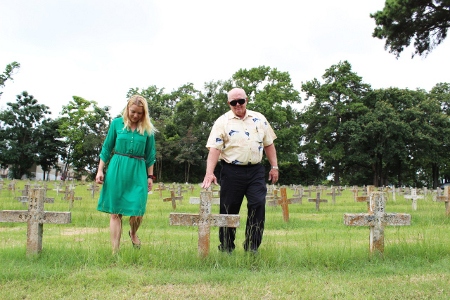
(99, 49)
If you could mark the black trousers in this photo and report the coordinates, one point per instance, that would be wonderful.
(235, 183)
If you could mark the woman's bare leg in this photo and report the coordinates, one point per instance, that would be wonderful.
(135, 223)
(115, 226)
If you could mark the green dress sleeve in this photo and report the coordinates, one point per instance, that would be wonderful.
(109, 143)
(150, 151)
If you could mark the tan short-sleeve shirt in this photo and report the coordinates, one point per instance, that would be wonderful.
(241, 141)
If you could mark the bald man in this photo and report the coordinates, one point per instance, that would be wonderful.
(237, 140)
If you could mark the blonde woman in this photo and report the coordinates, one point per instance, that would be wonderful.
(130, 149)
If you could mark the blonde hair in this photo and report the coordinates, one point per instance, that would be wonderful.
(144, 124)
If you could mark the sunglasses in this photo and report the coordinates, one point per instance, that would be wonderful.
(240, 101)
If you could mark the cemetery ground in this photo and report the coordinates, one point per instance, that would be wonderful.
(312, 256)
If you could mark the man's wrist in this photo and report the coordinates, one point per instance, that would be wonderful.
(275, 167)
(153, 177)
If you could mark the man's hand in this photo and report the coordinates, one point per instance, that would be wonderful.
(209, 178)
(273, 176)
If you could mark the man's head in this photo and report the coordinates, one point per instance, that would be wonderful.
(237, 100)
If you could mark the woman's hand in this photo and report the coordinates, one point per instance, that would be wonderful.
(150, 184)
(99, 177)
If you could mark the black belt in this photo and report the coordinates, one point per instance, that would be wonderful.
(129, 155)
(241, 165)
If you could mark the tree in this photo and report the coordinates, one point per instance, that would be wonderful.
(424, 21)
(335, 103)
(9, 70)
(50, 146)
(84, 125)
(20, 133)
(272, 93)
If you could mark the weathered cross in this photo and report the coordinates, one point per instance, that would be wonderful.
(25, 195)
(297, 196)
(333, 194)
(173, 198)
(317, 200)
(366, 198)
(196, 200)
(272, 199)
(445, 198)
(414, 198)
(204, 220)
(284, 202)
(35, 217)
(160, 188)
(377, 219)
(93, 188)
(70, 196)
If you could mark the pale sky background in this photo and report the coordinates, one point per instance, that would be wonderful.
(99, 49)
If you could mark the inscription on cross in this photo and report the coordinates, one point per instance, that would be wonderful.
(35, 217)
(377, 219)
(317, 200)
(204, 220)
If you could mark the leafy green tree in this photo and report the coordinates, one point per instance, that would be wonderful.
(9, 70)
(272, 93)
(335, 103)
(20, 134)
(383, 137)
(439, 137)
(161, 108)
(50, 146)
(84, 125)
(401, 21)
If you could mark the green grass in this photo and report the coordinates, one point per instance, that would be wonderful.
(313, 256)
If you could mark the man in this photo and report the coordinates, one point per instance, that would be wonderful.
(238, 138)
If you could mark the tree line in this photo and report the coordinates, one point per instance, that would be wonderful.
(344, 132)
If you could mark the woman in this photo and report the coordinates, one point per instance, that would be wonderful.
(130, 149)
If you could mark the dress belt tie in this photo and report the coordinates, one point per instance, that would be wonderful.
(129, 155)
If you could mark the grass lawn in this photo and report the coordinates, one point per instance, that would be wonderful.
(313, 256)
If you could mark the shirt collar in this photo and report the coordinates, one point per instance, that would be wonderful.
(231, 115)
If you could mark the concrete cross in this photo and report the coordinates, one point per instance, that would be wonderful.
(173, 198)
(445, 198)
(297, 196)
(93, 188)
(308, 190)
(25, 195)
(355, 191)
(35, 217)
(366, 198)
(272, 199)
(333, 194)
(196, 200)
(160, 188)
(204, 220)
(377, 219)
(317, 200)
(414, 198)
(70, 196)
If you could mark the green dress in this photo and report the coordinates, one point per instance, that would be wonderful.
(125, 185)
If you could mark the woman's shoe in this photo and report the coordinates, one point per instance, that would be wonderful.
(135, 246)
